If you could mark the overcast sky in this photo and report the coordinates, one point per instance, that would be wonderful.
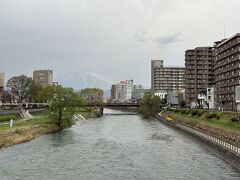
(114, 38)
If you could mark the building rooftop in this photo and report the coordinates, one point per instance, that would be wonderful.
(229, 39)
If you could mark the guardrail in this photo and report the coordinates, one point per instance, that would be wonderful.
(235, 148)
(231, 147)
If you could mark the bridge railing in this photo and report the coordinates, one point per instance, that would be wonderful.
(122, 104)
(23, 104)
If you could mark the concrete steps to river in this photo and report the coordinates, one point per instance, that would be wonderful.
(79, 117)
(26, 115)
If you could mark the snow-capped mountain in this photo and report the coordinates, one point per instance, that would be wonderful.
(80, 80)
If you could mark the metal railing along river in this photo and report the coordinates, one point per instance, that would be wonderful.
(235, 148)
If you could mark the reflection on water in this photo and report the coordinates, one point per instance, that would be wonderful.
(113, 147)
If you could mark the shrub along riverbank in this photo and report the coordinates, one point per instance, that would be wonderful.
(224, 125)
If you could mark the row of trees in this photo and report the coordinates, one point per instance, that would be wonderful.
(64, 102)
(21, 89)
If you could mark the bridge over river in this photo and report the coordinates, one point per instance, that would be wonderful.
(112, 147)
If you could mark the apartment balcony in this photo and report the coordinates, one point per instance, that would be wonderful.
(231, 76)
(230, 69)
(234, 43)
(228, 53)
(229, 84)
(226, 62)
(202, 72)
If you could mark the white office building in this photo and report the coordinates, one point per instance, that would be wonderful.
(124, 90)
(138, 92)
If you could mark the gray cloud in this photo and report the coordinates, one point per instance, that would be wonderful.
(141, 36)
(169, 39)
(108, 37)
(164, 40)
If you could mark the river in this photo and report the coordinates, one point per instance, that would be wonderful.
(118, 147)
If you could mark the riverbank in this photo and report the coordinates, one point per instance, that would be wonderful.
(27, 130)
(227, 152)
(218, 124)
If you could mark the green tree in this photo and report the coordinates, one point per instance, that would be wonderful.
(63, 102)
(92, 96)
(20, 88)
(149, 105)
(35, 89)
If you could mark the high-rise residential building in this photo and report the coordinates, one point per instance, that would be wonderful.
(113, 92)
(43, 77)
(129, 89)
(156, 65)
(138, 92)
(199, 64)
(166, 79)
(124, 90)
(1, 84)
(227, 73)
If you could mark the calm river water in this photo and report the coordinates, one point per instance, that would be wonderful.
(117, 147)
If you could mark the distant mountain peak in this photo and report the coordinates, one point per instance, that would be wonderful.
(84, 79)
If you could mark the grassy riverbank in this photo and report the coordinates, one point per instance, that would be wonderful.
(221, 124)
(26, 130)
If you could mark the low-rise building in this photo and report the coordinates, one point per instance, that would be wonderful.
(161, 95)
(175, 98)
(56, 83)
(211, 98)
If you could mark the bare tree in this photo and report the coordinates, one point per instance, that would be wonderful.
(6, 97)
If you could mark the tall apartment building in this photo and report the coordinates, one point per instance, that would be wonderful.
(113, 92)
(124, 90)
(166, 79)
(227, 73)
(199, 64)
(138, 92)
(1, 84)
(43, 77)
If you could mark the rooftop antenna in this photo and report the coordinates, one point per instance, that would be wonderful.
(224, 31)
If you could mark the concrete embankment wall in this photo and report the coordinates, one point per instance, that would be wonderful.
(229, 156)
